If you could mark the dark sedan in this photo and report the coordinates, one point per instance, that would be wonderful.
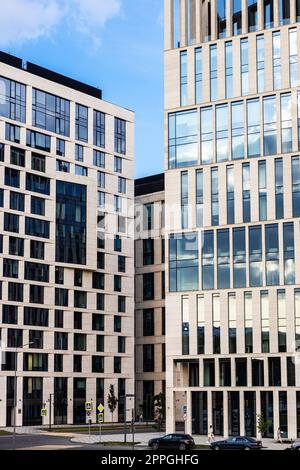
(172, 441)
(237, 443)
(295, 445)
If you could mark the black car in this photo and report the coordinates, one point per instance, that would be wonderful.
(172, 441)
(237, 443)
(295, 445)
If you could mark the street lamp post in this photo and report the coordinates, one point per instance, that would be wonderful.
(15, 390)
(127, 395)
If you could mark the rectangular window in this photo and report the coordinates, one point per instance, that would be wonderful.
(38, 141)
(17, 201)
(60, 147)
(70, 223)
(274, 364)
(200, 324)
(207, 141)
(214, 196)
(297, 319)
(286, 123)
(12, 100)
(248, 322)
(99, 129)
(260, 63)
(281, 318)
(183, 78)
(199, 76)
(216, 324)
(253, 119)
(255, 253)
(230, 194)
(185, 325)
(265, 321)
(199, 198)
(238, 131)
(10, 314)
(252, 15)
(229, 69)
(148, 358)
(272, 255)
(232, 322)
(81, 123)
(37, 184)
(2, 151)
(223, 259)
(148, 322)
(79, 153)
(246, 193)
(279, 192)
(183, 139)
(17, 156)
(222, 133)
(284, 12)
(276, 60)
(269, 14)
(296, 186)
(183, 262)
(236, 17)
(289, 253)
(208, 260)
(12, 133)
(120, 136)
(118, 164)
(148, 251)
(244, 67)
(37, 228)
(11, 223)
(239, 257)
(221, 18)
(16, 246)
(262, 188)
(270, 126)
(184, 199)
(293, 51)
(99, 159)
(148, 286)
(12, 177)
(50, 112)
(62, 166)
(213, 72)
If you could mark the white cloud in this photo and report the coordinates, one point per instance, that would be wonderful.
(27, 20)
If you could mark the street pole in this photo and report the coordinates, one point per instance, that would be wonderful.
(15, 399)
(50, 410)
(125, 425)
(132, 421)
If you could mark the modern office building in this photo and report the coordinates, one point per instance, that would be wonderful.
(149, 293)
(66, 247)
(232, 124)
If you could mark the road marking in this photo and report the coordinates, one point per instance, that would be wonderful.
(50, 447)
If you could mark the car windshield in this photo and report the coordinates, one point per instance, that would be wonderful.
(231, 439)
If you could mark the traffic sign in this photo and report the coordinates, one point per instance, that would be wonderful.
(88, 406)
(100, 418)
(88, 414)
(100, 408)
(43, 412)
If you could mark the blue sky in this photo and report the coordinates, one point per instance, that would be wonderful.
(116, 45)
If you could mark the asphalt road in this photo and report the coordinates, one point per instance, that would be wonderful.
(41, 442)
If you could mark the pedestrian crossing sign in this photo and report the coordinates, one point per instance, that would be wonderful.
(100, 418)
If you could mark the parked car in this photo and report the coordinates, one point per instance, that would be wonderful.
(295, 445)
(237, 443)
(172, 441)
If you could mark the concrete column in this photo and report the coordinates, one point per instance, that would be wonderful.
(188, 423)
(170, 414)
(169, 24)
(260, 14)
(214, 32)
(276, 13)
(242, 413)
(275, 412)
(244, 16)
(258, 411)
(225, 411)
(292, 414)
(228, 18)
(70, 401)
(198, 14)
(209, 409)
(293, 11)
(183, 23)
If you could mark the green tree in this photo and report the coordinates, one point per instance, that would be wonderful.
(159, 402)
(112, 401)
(262, 425)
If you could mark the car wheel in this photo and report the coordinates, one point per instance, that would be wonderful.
(182, 446)
(247, 448)
(155, 446)
(216, 448)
